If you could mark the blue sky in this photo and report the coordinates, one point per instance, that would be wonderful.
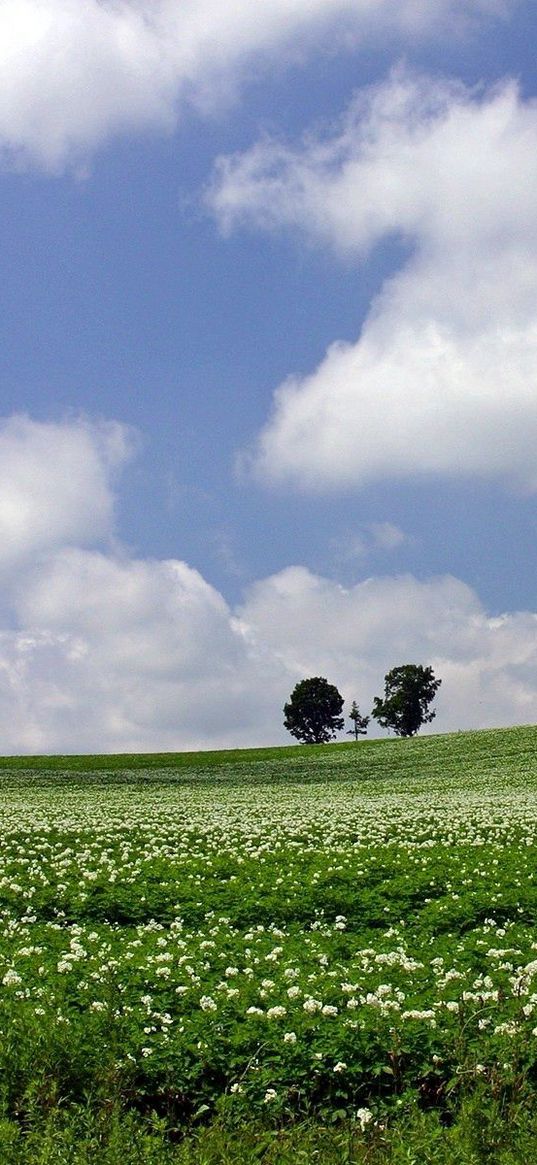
(267, 363)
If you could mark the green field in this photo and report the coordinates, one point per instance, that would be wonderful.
(319, 953)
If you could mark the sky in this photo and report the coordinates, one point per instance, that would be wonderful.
(268, 364)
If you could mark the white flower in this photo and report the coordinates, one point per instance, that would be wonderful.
(340, 1066)
(276, 1012)
(236, 1088)
(289, 1038)
(207, 1003)
(273, 955)
(426, 1013)
(270, 1095)
(11, 978)
(364, 1116)
(506, 1029)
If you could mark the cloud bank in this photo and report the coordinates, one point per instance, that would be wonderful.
(100, 651)
(443, 377)
(74, 73)
(56, 484)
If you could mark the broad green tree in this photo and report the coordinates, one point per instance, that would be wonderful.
(408, 692)
(313, 711)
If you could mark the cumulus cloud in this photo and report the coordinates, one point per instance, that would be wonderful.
(118, 654)
(355, 635)
(442, 379)
(73, 73)
(56, 484)
(101, 651)
(122, 655)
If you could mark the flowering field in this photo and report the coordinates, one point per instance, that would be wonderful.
(323, 931)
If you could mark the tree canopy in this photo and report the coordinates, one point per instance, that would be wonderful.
(408, 692)
(313, 711)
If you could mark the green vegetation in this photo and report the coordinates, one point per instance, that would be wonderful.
(408, 691)
(313, 712)
(298, 954)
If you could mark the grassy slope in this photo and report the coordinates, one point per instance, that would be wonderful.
(472, 754)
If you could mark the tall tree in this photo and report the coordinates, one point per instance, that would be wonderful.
(408, 691)
(313, 711)
(359, 723)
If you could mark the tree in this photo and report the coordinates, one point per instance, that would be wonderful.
(408, 691)
(359, 726)
(313, 712)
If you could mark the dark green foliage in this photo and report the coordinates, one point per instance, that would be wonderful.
(408, 691)
(487, 1132)
(359, 723)
(313, 712)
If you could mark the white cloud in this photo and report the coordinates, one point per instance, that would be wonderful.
(103, 652)
(56, 484)
(443, 377)
(119, 654)
(73, 73)
(355, 635)
(123, 655)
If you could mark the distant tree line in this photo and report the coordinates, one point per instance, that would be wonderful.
(313, 713)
